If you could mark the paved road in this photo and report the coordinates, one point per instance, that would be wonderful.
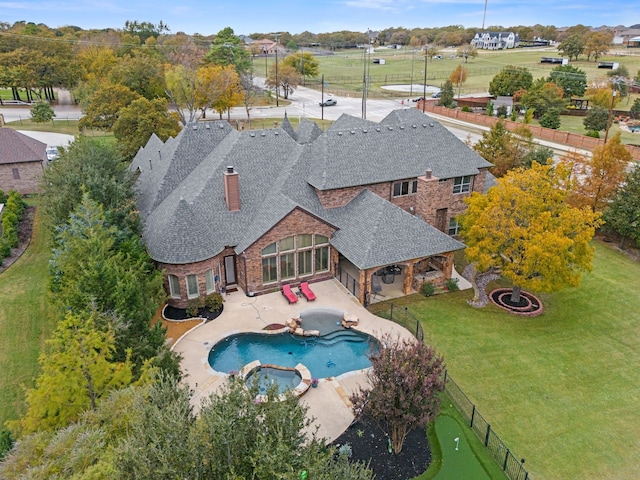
(305, 103)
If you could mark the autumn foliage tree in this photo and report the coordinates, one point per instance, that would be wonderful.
(406, 379)
(458, 76)
(524, 228)
(597, 178)
(287, 78)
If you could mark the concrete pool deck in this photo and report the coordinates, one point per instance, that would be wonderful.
(329, 402)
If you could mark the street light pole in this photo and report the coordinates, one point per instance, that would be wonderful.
(413, 56)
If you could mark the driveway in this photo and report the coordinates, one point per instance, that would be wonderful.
(329, 403)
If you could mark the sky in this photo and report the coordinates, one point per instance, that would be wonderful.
(208, 17)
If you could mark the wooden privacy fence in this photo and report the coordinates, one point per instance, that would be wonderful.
(565, 138)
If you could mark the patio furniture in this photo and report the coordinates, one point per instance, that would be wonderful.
(306, 291)
(376, 288)
(288, 293)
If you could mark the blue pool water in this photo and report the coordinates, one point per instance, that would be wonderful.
(327, 356)
(265, 376)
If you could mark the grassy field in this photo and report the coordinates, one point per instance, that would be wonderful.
(26, 321)
(344, 70)
(561, 389)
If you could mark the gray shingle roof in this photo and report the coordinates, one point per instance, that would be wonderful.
(15, 147)
(375, 232)
(181, 190)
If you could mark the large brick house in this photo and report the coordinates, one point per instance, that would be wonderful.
(256, 209)
(22, 161)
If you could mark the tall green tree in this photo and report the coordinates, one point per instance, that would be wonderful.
(446, 95)
(572, 80)
(228, 49)
(623, 213)
(141, 119)
(77, 372)
(42, 112)
(406, 379)
(524, 228)
(509, 80)
(572, 46)
(543, 96)
(141, 73)
(596, 119)
(181, 86)
(104, 106)
(305, 63)
(97, 168)
(97, 266)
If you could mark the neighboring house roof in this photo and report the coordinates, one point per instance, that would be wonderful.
(181, 189)
(19, 148)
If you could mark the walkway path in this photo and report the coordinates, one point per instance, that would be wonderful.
(329, 403)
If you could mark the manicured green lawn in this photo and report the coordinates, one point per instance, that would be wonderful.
(562, 390)
(26, 320)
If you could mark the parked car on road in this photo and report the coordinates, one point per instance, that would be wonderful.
(418, 99)
(328, 102)
(52, 153)
(436, 95)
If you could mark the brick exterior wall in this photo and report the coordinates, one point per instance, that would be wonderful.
(431, 196)
(29, 181)
(434, 195)
(296, 223)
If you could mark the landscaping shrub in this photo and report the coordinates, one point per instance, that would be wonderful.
(502, 111)
(427, 289)
(466, 108)
(194, 306)
(213, 301)
(452, 285)
(13, 209)
(593, 133)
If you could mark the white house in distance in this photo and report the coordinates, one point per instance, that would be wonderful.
(495, 40)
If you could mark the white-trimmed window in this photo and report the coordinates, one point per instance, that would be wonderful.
(406, 187)
(462, 184)
(192, 286)
(454, 226)
(209, 281)
(295, 256)
(270, 263)
(321, 253)
(174, 286)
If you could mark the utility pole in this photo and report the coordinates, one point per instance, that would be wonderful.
(277, 37)
(613, 99)
(424, 87)
(364, 84)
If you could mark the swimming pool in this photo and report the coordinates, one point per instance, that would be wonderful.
(329, 355)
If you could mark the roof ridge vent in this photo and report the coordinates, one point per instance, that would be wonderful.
(252, 134)
(431, 124)
(207, 126)
(263, 134)
(353, 132)
(220, 125)
(195, 127)
(424, 125)
(414, 125)
(276, 133)
(340, 134)
(377, 129)
(390, 127)
(401, 127)
(364, 130)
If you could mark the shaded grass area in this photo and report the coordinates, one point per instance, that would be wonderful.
(26, 320)
(561, 389)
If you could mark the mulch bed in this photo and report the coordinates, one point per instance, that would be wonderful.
(529, 304)
(25, 227)
(173, 313)
(370, 445)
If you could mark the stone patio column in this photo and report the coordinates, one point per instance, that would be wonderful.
(408, 278)
(363, 282)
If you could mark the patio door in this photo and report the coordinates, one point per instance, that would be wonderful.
(230, 270)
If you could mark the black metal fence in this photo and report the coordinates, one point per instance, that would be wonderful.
(512, 467)
(349, 282)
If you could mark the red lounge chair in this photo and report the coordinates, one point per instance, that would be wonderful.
(306, 291)
(288, 293)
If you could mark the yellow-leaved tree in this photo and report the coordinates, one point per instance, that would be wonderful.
(524, 229)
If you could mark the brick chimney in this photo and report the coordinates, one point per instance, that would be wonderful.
(232, 189)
